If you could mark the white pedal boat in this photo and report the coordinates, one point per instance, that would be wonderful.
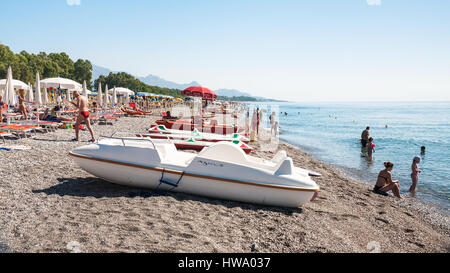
(220, 171)
(158, 132)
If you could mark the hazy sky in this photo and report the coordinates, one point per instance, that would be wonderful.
(299, 50)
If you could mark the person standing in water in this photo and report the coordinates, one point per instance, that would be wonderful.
(365, 137)
(385, 182)
(83, 115)
(370, 147)
(415, 174)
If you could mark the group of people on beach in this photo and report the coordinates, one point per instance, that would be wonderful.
(385, 183)
(252, 125)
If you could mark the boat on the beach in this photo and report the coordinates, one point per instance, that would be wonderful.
(159, 132)
(188, 125)
(220, 171)
(190, 143)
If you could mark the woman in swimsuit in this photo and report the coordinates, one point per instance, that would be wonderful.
(22, 108)
(385, 182)
(2, 106)
(370, 147)
(415, 173)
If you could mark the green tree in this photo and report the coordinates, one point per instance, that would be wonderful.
(83, 72)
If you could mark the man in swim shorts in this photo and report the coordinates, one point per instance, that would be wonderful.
(82, 105)
(365, 137)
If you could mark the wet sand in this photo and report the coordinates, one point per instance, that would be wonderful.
(48, 204)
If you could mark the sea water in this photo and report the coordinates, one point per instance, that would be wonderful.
(332, 132)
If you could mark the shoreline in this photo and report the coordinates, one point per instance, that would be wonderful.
(427, 207)
(47, 202)
(434, 205)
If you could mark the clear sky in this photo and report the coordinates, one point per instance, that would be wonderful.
(300, 50)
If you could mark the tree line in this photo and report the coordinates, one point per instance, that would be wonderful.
(25, 65)
(123, 79)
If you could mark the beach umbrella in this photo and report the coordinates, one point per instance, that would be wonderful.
(198, 91)
(61, 83)
(99, 95)
(114, 95)
(85, 93)
(45, 96)
(38, 90)
(30, 93)
(123, 91)
(15, 83)
(11, 95)
(106, 95)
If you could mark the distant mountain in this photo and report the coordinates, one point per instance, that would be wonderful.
(232, 93)
(153, 80)
(98, 71)
(157, 81)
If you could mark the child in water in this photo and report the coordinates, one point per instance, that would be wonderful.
(370, 147)
(415, 173)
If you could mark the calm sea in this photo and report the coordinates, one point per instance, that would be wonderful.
(331, 132)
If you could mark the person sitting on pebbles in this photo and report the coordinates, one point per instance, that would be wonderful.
(385, 182)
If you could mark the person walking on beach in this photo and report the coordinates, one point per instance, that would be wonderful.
(83, 115)
(258, 120)
(247, 121)
(385, 182)
(415, 174)
(365, 137)
(254, 126)
(370, 147)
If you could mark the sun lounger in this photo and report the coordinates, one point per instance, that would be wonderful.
(17, 129)
(5, 134)
(107, 120)
(48, 125)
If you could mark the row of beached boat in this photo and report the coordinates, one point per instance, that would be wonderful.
(222, 169)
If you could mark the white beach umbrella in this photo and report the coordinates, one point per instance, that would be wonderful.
(85, 93)
(38, 89)
(11, 94)
(61, 83)
(45, 96)
(15, 83)
(99, 95)
(114, 95)
(123, 91)
(106, 95)
(30, 93)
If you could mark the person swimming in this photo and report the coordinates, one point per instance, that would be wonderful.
(422, 150)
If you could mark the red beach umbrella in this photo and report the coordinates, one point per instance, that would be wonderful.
(198, 91)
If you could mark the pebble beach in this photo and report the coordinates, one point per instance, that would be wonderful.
(48, 204)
